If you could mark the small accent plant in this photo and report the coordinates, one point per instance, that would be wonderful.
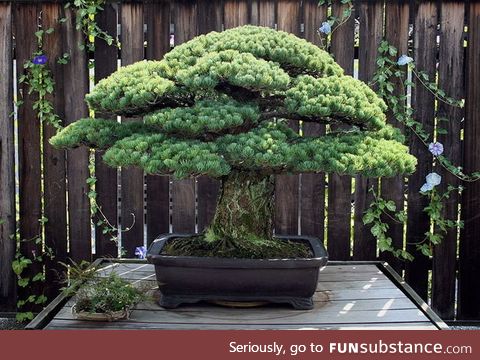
(107, 295)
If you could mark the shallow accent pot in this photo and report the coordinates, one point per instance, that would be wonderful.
(190, 279)
(111, 316)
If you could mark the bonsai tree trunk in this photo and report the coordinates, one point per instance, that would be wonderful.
(245, 208)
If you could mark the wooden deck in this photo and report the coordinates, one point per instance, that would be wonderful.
(349, 296)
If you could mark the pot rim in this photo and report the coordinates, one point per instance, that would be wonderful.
(319, 260)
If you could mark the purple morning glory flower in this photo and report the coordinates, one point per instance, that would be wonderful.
(141, 252)
(326, 28)
(436, 148)
(404, 60)
(40, 60)
(426, 187)
(433, 179)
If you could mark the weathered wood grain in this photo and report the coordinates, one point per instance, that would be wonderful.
(451, 79)
(371, 32)
(183, 191)
(72, 324)
(132, 179)
(157, 18)
(312, 194)
(75, 81)
(425, 34)
(266, 13)
(106, 57)
(287, 186)
(54, 165)
(29, 167)
(235, 13)
(210, 16)
(7, 162)
(340, 187)
(469, 280)
(397, 14)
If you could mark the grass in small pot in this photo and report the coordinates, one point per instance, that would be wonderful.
(107, 295)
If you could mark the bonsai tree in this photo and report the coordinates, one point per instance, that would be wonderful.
(219, 105)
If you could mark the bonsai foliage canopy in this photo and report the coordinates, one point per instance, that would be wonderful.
(219, 105)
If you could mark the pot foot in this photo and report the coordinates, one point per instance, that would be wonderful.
(173, 301)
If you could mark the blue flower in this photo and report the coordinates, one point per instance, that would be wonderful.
(404, 60)
(326, 28)
(141, 252)
(40, 60)
(426, 187)
(436, 148)
(433, 179)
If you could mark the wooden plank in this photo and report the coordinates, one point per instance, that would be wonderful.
(287, 186)
(29, 167)
(312, 194)
(371, 32)
(73, 324)
(324, 302)
(418, 223)
(157, 18)
(105, 57)
(396, 33)
(210, 17)
(340, 187)
(235, 13)
(266, 13)
(132, 179)
(54, 185)
(469, 281)
(413, 296)
(75, 87)
(7, 162)
(322, 314)
(183, 191)
(451, 79)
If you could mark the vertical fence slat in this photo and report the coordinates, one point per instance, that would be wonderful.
(132, 180)
(469, 279)
(287, 186)
(312, 197)
(107, 185)
(418, 223)
(266, 13)
(157, 18)
(451, 79)
(371, 33)
(7, 162)
(183, 191)
(209, 14)
(235, 13)
(340, 187)
(54, 171)
(75, 87)
(26, 16)
(396, 33)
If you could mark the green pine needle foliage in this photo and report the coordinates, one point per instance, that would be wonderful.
(219, 103)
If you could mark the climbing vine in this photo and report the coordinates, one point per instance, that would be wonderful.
(86, 13)
(392, 69)
(39, 79)
(20, 265)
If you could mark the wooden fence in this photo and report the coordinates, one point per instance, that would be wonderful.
(445, 42)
